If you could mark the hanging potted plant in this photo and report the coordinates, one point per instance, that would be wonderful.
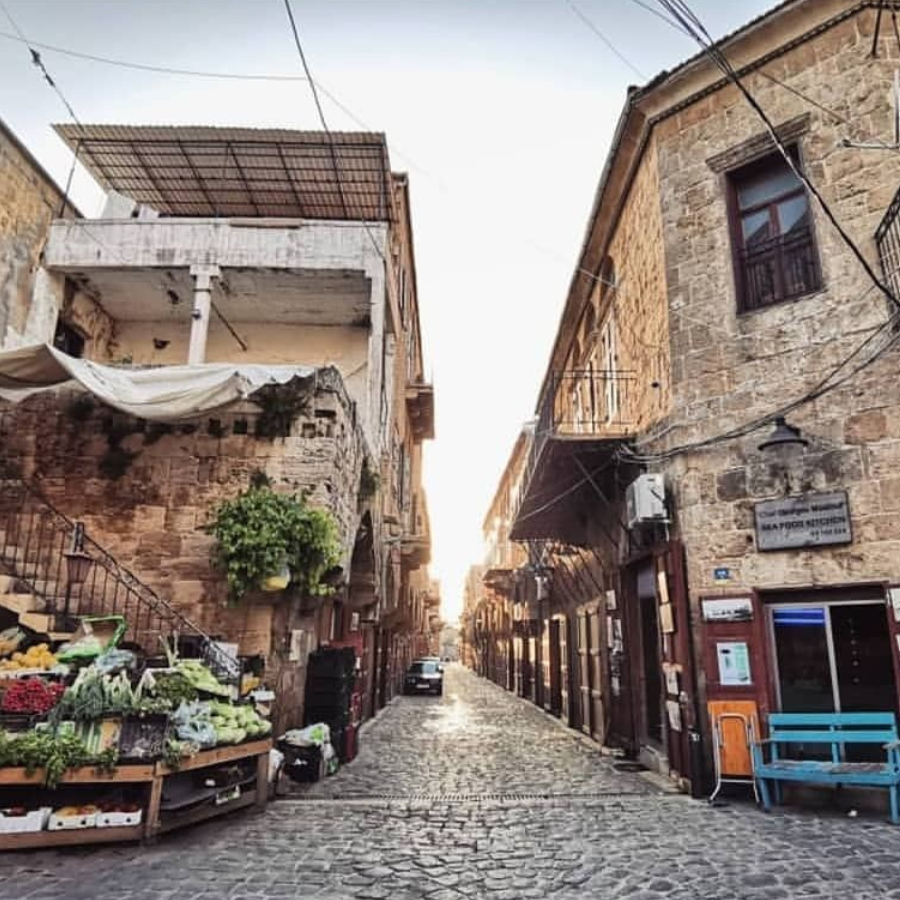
(269, 541)
(278, 580)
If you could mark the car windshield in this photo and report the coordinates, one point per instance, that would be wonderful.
(423, 667)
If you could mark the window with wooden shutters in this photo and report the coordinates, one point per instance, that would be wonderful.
(772, 235)
(609, 367)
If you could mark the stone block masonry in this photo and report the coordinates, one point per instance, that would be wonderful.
(731, 367)
(145, 491)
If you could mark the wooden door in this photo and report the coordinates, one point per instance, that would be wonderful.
(554, 704)
(595, 669)
(893, 617)
(565, 691)
(519, 654)
(584, 671)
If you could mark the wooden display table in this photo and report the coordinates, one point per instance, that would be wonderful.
(156, 820)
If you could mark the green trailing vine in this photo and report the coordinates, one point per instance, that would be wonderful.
(280, 405)
(260, 531)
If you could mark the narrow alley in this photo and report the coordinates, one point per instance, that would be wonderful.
(481, 795)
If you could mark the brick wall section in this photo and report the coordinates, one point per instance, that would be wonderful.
(150, 519)
(729, 368)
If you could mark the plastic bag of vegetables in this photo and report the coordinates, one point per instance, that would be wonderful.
(192, 723)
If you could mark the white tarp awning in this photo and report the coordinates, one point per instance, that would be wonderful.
(164, 394)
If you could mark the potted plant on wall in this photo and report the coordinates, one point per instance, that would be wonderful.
(268, 541)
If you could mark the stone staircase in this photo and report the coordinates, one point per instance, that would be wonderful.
(30, 610)
(35, 541)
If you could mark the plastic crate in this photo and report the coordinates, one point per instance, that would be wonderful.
(302, 764)
(328, 696)
(34, 820)
(332, 662)
(143, 737)
(16, 723)
(119, 819)
(72, 823)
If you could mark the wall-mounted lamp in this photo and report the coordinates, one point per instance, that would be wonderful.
(783, 436)
(78, 566)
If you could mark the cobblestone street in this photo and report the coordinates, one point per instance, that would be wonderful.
(536, 813)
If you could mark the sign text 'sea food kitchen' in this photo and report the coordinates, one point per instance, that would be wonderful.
(807, 520)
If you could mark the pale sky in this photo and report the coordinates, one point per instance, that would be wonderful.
(500, 110)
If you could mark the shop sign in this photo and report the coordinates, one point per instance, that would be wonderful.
(727, 609)
(808, 520)
(734, 663)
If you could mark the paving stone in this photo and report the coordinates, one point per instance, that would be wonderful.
(612, 836)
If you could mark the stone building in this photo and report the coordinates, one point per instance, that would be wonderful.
(285, 260)
(29, 201)
(713, 295)
(470, 645)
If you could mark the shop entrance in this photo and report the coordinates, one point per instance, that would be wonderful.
(650, 670)
(833, 657)
(651, 730)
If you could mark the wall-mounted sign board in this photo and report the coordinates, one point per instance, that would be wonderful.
(807, 520)
(727, 609)
(666, 618)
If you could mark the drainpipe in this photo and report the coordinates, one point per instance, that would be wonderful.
(203, 275)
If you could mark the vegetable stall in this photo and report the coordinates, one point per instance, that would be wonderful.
(99, 743)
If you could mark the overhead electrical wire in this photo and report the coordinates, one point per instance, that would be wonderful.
(691, 25)
(610, 45)
(38, 62)
(232, 76)
(333, 153)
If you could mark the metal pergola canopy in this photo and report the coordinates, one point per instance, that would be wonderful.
(236, 172)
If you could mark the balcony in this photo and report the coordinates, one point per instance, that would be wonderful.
(420, 409)
(581, 422)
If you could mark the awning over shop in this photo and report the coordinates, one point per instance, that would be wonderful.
(163, 394)
(559, 490)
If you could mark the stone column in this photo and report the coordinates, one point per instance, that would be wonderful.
(200, 313)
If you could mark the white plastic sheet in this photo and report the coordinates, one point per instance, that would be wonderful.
(163, 394)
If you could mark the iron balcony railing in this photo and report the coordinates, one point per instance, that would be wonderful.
(578, 404)
(887, 239)
(779, 269)
(35, 541)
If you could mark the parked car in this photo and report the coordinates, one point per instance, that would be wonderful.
(424, 676)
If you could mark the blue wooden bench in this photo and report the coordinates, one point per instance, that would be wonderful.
(838, 730)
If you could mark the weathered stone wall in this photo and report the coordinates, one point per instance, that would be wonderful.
(730, 368)
(637, 306)
(150, 513)
(29, 200)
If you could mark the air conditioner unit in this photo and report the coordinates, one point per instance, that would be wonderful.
(645, 501)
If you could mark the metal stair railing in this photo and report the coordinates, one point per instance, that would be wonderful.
(35, 541)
